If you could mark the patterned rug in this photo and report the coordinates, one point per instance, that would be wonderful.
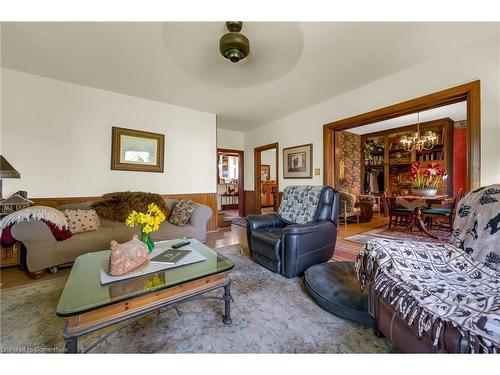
(399, 234)
(241, 221)
(271, 314)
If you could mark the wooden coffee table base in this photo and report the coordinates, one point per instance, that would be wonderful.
(138, 307)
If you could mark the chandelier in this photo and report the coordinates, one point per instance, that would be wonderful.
(417, 142)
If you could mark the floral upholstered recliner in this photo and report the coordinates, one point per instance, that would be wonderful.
(439, 297)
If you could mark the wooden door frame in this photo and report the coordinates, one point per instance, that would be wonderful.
(241, 176)
(470, 92)
(257, 182)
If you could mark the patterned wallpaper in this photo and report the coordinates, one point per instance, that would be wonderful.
(350, 159)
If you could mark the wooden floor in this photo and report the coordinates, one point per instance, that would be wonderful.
(345, 250)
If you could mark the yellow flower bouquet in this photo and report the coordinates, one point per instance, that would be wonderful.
(149, 222)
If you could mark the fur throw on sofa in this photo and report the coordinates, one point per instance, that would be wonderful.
(117, 206)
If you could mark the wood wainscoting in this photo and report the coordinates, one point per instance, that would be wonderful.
(208, 199)
(250, 202)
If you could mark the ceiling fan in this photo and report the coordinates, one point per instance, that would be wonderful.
(234, 46)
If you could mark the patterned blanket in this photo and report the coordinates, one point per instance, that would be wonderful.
(477, 225)
(434, 284)
(299, 203)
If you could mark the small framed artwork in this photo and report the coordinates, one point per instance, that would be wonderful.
(136, 150)
(265, 172)
(297, 161)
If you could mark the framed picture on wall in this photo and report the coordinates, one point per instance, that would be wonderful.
(265, 172)
(136, 150)
(297, 161)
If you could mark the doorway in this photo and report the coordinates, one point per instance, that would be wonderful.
(469, 92)
(266, 179)
(230, 193)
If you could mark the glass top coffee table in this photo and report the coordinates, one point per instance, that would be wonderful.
(88, 306)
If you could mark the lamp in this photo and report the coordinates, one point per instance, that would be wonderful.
(233, 45)
(417, 142)
(6, 171)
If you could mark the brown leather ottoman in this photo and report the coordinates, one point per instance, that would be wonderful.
(334, 287)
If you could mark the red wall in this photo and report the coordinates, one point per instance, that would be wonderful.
(460, 159)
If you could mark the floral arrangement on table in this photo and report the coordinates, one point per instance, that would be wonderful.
(426, 179)
(149, 222)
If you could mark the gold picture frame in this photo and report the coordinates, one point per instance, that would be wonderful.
(137, 150)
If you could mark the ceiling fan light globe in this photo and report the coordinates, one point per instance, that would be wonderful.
(234, 55)
(234, 46)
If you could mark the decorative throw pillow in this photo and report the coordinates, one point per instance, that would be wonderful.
(82, 220)
(182, 212)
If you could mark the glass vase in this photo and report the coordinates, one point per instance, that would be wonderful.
(146, 238)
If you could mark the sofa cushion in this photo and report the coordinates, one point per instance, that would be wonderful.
(82, 220)
(87, 242)
(169, 231)
(182, 212)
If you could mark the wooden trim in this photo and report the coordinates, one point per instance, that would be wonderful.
(256, 166)
(241, 176)
(116, 164)
(208, 199)
(123, 309)
(408, 128)
(329, 172)
(250, 202)
(468, 91)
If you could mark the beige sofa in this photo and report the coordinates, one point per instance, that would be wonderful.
(44, 251)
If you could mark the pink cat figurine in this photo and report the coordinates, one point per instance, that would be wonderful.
(127, 256)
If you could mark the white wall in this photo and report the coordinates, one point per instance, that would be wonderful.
(480, 60)
(58, 136)
(230, 139)
(269, 157)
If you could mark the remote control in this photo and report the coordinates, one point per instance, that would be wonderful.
(178, 245)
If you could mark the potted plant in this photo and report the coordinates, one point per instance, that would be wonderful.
(149, 222)
(426, 182)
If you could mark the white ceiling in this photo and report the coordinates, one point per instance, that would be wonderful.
(291, 66)
(457, 112)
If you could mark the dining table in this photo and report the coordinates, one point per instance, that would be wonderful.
(415, 203)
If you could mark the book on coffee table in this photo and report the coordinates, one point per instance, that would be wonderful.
(191, 255)
(170, 256)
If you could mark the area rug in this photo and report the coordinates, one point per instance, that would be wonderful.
(240, 221)
(271, 314)
(399, 234)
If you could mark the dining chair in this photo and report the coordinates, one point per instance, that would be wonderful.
(447, 213)
(397, 215)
